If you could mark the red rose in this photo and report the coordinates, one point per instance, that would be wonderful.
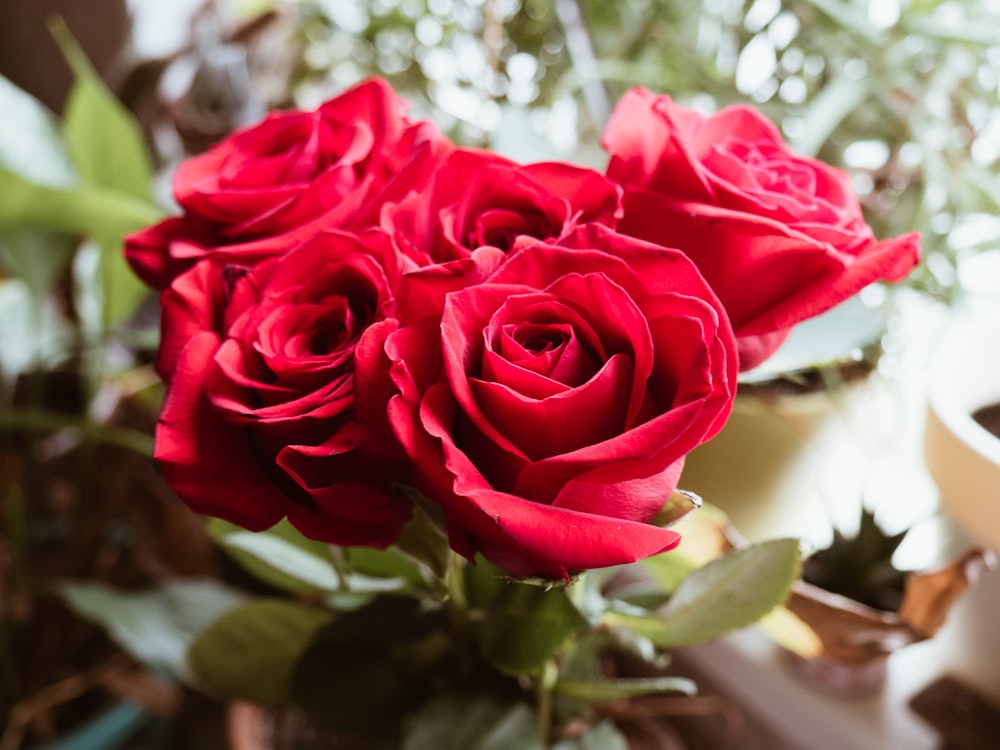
(274, 406)
(779, 237)
(478, 204)
(548, 410)
(480, 199)
(291, 171)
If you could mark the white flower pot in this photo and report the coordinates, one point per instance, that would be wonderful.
(962, 456)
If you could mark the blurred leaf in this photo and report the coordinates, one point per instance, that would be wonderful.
(88, 303)
(608, 689)
(380, 656)
(251, 652)
(299, 566)
(931, 594)
(156, 626)
(790, 632)
(32, 331)
(602, 736)
(80, 210)
(104, 140)
(282, 557)
(424, 539)
(525, 627)
(731, 592)
(30, 143)
(38, 258)
(703, 539)
(978, 31)
(109, 151)
(474, 723)
(387, 563)
(484, 583)
(839, 98)
(850, 17)
(838, 337)
(122, 291)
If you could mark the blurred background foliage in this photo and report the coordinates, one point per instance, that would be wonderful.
(901, 93)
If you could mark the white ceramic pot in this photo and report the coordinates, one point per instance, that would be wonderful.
(962, 456)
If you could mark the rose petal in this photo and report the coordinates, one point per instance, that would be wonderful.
(207, 461)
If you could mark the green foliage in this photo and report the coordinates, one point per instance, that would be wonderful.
(104, 141)
(282, 557)
(278, 557)
(526, 626)
(88, 176)
(109, 152)
(860, 566)
(728, 593)
(159, 625)
(367, 669)
(519, 626)
(474, 657)
(251, 652)
(30, 142)
(463, 722)
(610, 689)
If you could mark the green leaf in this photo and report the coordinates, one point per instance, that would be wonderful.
(387, 563)
(30, 143)
(731, 592)
(91, 211)
(602, 736)
(455, 722)
(104, 140)
(526, 626)
(38, 258)
(368, 668)
(278, 557)
(484, 583)
(605, 690)
(109, 151)
(424, 539)
(156, 626)
(282, 557)
(250, 653)
(88, 210)
(122, 291)
(702, 537)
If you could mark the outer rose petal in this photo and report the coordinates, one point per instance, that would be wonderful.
(163, 252)
(522, 536)
(780, 237)
(768, 276)
(158, 253)
(206, 460)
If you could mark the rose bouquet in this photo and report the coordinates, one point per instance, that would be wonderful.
(454, 393)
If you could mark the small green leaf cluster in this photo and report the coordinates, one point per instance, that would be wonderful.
(860, 566)
(387, 646)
